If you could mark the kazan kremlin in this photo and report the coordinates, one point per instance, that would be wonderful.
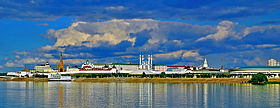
(146, 66)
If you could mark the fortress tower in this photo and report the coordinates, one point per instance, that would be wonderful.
(60, 66)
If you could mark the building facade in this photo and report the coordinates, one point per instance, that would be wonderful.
(128, 67)
(43, 68)
(161, 68)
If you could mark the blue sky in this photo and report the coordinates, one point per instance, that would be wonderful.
(178, 32)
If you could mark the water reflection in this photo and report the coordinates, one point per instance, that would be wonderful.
(148, 95)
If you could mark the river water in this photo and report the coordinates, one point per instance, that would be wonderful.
(130, 95)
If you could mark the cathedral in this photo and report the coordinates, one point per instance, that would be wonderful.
(60, 66)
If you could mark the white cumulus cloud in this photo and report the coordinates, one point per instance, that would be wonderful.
(95, 34)
(225, 29)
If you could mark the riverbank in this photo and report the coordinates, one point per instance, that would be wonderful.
(170, 80)
(25, 79)
(166, 80)
(145, 80)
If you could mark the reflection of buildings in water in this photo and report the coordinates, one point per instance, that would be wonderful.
(73, 94)
(194, 94)
(60, 95)
(123, 95)
(76, 94)
(243, 95)
(40, 90)
(26, 92)
(146, 95)
(87, 104)
(205, 94)
(160, 95)
(46, 93)
(81, 91)
(274, 93)
(268, 92)
(21, 91)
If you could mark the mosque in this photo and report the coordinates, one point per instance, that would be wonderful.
(145, 61)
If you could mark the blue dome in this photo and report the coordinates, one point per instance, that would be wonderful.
(145, 59)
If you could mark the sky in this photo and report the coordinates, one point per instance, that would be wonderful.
(228, 33)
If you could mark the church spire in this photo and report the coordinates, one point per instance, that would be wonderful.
(205, 64)
(60, 66)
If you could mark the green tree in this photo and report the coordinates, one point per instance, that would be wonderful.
(143, 74)
(259, 78)
(162, 75)
(189, 75)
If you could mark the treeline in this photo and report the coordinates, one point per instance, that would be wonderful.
(217, 75)
(143, 75)
(3, 74)
(187, 75)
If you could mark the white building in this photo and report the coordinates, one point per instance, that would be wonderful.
(128, 67)
(23, 73)
(273, 62)
(88, 63)
(161, 68)
(72, 69)
(43, 68)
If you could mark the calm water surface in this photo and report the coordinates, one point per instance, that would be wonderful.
(128, 95)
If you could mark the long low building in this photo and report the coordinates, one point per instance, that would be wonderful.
(271, 71)
(257, 69)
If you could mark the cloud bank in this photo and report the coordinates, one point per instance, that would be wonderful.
(121, 40)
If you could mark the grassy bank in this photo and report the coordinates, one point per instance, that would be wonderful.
(24, 79)
(165, 80)
(190, 80)
(170, 80)
(95, 80)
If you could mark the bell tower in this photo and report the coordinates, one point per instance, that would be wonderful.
(60, 66)
(205, 64)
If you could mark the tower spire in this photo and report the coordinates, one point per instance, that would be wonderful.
(205, 64)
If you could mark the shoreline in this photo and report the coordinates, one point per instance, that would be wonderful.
(165, 80)
(146, 80)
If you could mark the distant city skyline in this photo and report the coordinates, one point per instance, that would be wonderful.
(179, 32)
